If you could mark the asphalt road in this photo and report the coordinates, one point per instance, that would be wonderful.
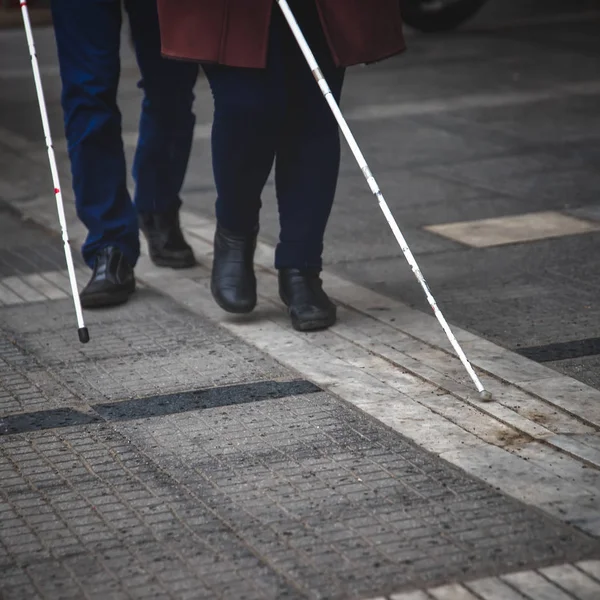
(499, 119)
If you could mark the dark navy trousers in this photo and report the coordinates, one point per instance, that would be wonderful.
(88, 34)
(278, 115)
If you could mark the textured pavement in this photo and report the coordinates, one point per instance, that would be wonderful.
(579, 580)
(171, 458)
(168, 459)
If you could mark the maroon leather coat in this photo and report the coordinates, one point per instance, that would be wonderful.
(236, 32)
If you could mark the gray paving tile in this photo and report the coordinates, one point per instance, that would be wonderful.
(586, 369)
(557, 122)
(517, 295)
(293, 497)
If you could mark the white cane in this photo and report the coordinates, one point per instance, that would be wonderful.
(484, 395)
(84, 335)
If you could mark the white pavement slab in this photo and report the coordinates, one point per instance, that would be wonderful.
(562, 582)
(485, 233)
(38, 287)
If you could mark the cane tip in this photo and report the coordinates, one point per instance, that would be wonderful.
(84, 335)
(485, 396)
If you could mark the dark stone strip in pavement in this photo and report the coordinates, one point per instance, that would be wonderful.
(562, 350)
(44, 419)
(202, 399)
(140, 408)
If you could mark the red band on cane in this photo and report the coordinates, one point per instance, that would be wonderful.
(56, 191)
(23, 2)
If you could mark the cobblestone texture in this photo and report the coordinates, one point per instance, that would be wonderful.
(295, 497)
(283, 499)
(85, 515)
(344, 505)
(148, 347)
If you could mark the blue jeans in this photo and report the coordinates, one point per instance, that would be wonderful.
(278, 114)
(88, 35)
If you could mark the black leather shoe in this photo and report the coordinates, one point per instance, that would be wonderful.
(308, 305)
(112, 280)
(233, 283)
(166, 245)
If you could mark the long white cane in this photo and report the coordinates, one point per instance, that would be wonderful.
(364, 167)
(84, 335)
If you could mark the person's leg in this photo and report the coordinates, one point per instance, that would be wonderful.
(87, 38)
(308, 155)
(248, 114)
(165, 137)
(306, 172)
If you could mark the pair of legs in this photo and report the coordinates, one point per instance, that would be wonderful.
(88, 35)
(278, 115)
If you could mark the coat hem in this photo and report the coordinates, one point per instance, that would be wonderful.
(166, 54)
(402, 50)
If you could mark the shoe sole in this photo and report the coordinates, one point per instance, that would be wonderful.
(313, 324)
(174, 263)
(105, 300)
(309, 324)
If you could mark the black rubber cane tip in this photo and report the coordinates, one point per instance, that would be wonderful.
(84, 335)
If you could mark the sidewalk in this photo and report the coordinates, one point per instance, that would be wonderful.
(185, 453)
(170, 459)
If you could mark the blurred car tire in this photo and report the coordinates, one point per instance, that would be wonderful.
(438, 15)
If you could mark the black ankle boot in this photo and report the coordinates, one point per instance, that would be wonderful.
(233, 283)
(166, 245)
(112, 280)
(309, 306)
